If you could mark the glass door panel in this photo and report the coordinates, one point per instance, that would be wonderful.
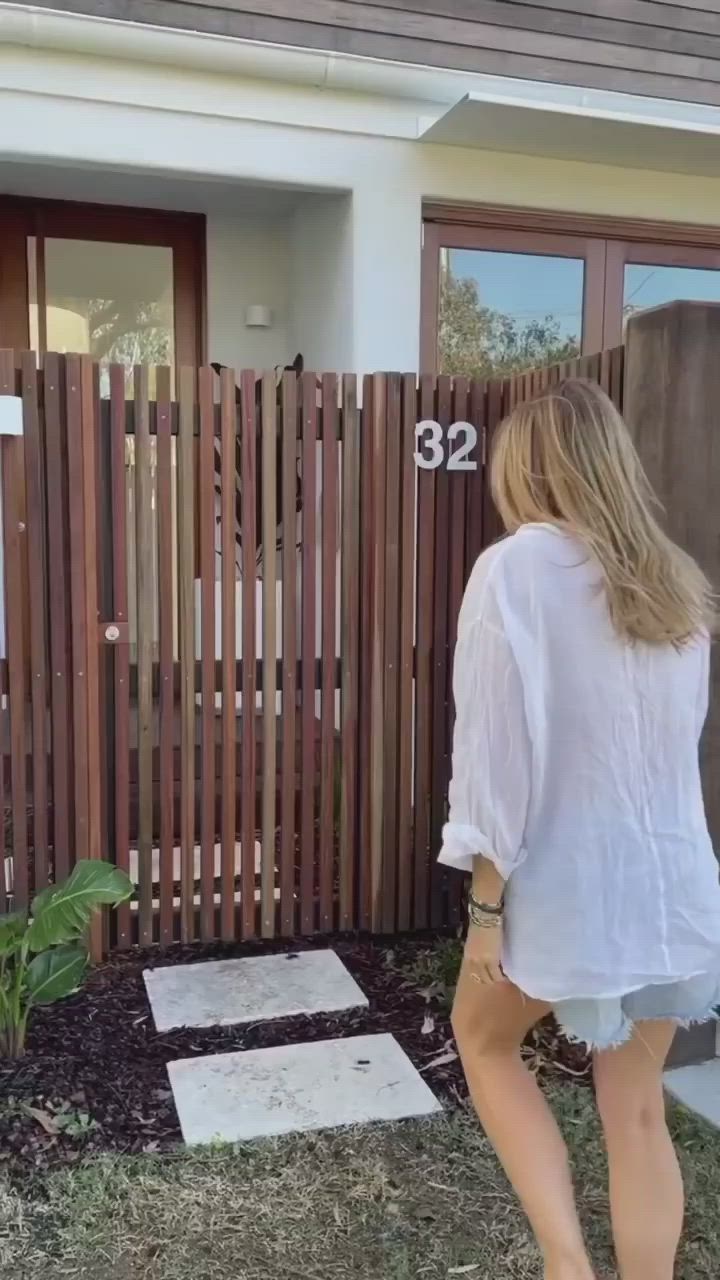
(500, 313)
(645, 286)
(642, 276)
(496, 303)
(114, 302)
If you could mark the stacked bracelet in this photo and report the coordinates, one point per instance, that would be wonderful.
(485, 915)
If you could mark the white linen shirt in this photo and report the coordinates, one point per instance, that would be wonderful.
(575, 771)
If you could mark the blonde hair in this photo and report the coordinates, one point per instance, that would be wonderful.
(567, 458)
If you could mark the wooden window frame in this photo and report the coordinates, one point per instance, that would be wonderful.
(545, 244)
(621, 253)
(615, 241)
(183, 233)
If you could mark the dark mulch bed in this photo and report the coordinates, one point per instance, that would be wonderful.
(94, 1077)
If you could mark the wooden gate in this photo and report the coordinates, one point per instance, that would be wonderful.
(231, 609)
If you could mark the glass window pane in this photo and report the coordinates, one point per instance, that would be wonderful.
(652, 286)
(503, 312)
(112, 301)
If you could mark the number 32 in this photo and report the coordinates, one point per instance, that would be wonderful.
(430, 452)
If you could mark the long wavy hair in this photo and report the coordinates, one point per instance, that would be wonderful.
(567, 458)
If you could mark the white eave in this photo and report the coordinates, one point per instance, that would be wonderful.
(635, 137)
(454, 108)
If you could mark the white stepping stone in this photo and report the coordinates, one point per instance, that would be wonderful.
(697, 1088)
(234, 1097)
(223, 993)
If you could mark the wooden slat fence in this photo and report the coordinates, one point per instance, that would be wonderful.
(230, 615)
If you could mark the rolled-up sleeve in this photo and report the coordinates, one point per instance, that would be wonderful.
(490, 786)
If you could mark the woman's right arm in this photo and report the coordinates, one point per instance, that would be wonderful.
(490, 787)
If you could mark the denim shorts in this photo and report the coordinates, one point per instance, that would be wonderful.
(606, 1022)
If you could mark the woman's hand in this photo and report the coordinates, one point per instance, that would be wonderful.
(483, 948)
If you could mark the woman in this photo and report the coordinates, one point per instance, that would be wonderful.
(581, 686)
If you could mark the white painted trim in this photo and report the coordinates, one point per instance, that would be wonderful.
(46, 28)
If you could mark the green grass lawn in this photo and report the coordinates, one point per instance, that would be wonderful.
(418, 1201)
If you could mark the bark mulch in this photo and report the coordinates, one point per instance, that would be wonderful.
(94, 1077)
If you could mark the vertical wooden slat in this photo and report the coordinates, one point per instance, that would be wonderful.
(408, 534)
(328, 772)
(459, 484)
(289, 654)
(165, 622)
(376, 686)
(58, 561)
(89, 398)
(592, 369)
(440, 768)
(308, 768)
(206, 486)
(499, 395)
(12, 483)
(269, 650)
(34, 485)
(349, 648)
(144, 613)
(13, 494)
(5, 849)
(367, 508)
(392, 431)
(121, 656)
(228, 521)
(477, 479)
(605, 372)
(78, 621)
(249, 579)
(186, 638)
(5, 852)
(424, 666)
(106, 688)
(617, 365)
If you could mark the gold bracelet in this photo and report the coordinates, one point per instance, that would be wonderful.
(486, 922)
(484, 915)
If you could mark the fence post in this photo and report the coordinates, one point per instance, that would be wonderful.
(672, 390)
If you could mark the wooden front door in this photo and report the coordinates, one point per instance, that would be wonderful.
(122, 285)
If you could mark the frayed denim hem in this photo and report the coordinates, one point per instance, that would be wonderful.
(603, 1024)
(598, 1044)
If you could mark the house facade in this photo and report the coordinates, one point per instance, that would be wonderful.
(463, 185)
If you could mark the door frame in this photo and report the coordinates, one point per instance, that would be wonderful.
(439, 236)
(621, 239)
(183, 233)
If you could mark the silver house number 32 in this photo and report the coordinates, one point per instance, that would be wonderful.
(436, 447)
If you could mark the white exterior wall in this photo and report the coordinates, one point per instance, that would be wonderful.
(321, 285)
(346, 274)
(248, 262)
(298, 264)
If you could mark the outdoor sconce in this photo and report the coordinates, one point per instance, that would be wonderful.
(258, 317)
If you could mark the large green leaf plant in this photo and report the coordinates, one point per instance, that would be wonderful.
(44, 956)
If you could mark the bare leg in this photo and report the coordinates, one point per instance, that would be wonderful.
(646, 1192)
(490, 1024)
